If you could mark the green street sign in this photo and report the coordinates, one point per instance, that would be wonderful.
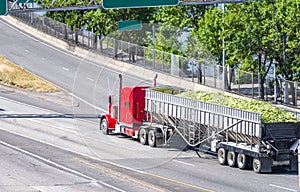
(111, 4)
(129, 25)
(3, 7)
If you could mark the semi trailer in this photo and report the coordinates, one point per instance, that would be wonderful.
(238, 137)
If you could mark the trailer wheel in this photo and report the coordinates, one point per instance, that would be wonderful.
(222, 154)
(242, 161)
(256, 165)
(152, 137)
(231, 158)
(143, 136)
(104, 126)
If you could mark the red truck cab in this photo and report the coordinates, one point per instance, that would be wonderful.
(126, 117)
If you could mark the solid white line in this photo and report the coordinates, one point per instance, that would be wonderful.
(66, 69)
(90, 79)
(56, 127)
(284, 188)
(189, 164)
(100, 109)
(60, 166)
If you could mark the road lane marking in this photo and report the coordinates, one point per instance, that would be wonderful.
(60, 166)
(120, 174)
(66, 69)
(284, 188)
(90, 79)
(180, 182)
(189, 164)
(53, 126)
(94, 106)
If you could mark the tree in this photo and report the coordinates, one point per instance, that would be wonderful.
(250, 36)
(177, 21)
(258, 38)
(210, 32)
(183, 17)
(288, 51)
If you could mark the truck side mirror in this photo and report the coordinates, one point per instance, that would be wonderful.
(109, 100)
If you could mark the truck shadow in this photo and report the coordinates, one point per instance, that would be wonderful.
(282, 171)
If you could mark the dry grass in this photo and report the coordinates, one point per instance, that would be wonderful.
(15, 76)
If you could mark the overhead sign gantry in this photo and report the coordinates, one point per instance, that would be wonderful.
(113, 4)
(13, 6)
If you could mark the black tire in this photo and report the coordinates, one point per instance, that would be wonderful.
(231, 158)
(243, 161)
(222, 156)
(104, 126)
(256, 164)
(143, 136)
(152, 138)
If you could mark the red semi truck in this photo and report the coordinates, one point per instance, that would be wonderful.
(127, 116)
(238, 137)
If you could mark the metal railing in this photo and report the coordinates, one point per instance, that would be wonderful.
(200, 70)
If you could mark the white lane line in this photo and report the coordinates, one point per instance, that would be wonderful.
(60, 166)
(53, 126)
(283, 188)
(66, 69)
(95, 107)
(90, 79)
(189, 164)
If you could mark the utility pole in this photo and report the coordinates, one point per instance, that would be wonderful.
(225, 82)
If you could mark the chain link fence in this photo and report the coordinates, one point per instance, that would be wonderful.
(200, 70)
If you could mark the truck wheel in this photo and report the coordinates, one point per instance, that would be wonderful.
(222, 154)
(143, 136)
(256, 165)
(242, 161)
(231, 158)
(104, 127)
(152, 138)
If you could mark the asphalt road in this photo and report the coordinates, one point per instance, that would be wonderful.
(94, 155)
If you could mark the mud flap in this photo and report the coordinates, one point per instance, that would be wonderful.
(178, 143)
(294, 163)
(266, 165)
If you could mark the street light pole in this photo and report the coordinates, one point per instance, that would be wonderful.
(223, 52)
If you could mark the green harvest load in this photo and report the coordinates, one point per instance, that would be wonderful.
(269, 113)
